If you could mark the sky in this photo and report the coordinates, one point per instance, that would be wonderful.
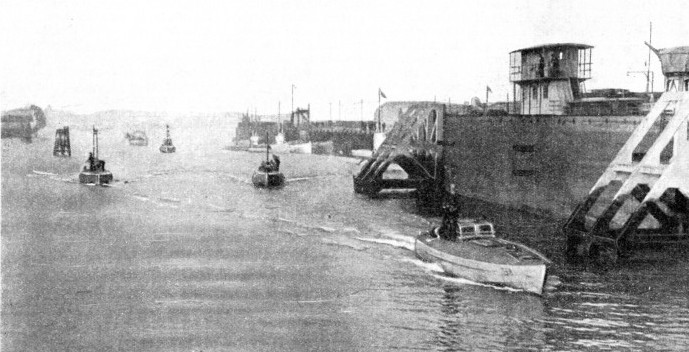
(236, 56)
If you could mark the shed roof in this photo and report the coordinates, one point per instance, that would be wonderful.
(554, 45)
(673, 59)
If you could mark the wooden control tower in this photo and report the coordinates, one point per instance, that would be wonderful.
(546, 78)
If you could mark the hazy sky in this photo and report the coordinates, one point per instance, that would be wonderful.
(86, 56)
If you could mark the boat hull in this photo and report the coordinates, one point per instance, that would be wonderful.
(167, 149)
(485, 264)
(97, 178)
(268, 179)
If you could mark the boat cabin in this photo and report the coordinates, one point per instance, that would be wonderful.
(469, 228)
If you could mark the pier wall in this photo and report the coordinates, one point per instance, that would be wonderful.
(541, 163)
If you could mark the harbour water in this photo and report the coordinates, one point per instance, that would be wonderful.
(182, 253)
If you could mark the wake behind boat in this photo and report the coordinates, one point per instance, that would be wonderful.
(476, 254)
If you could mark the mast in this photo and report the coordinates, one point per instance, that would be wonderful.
(648, 63)
(95, 143)
(267, 146)
(293, 99)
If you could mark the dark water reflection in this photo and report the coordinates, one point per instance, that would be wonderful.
(475, 319)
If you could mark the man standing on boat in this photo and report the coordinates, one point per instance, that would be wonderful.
(448, 229)
(276, 162)
(90, 161)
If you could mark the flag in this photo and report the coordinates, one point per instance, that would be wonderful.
(488, 90)
(380, 93)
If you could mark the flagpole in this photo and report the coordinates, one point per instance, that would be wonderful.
(267, 146)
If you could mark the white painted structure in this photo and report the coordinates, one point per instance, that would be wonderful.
(547, 77)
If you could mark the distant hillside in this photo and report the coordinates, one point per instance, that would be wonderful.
(130, 119)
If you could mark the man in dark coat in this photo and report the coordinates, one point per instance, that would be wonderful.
(448, 229)
(276, 162)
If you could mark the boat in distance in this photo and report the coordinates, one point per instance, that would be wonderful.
(267, 179)
(94, 171)
(167, 146)
(137, 138)
(478, 255)
(23, 122)
(268, 174)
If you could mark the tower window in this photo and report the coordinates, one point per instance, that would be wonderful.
(534, 92)
(545, 91)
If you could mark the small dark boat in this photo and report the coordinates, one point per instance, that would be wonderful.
(268, 174)
(167, 146)
(268, 179)
(137, 138)
(476, 254)
(94, 171)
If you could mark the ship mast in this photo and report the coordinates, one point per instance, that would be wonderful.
(267, 147)
(95, 143)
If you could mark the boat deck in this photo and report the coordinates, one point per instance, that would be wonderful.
(484, 249)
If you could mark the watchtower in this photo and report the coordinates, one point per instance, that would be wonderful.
(548, 77)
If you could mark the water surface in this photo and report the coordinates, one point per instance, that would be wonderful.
(181, 253)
